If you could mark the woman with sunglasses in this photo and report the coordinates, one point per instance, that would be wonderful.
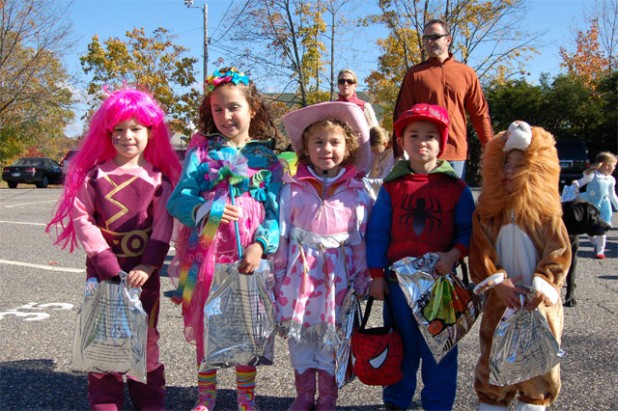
(347, 81)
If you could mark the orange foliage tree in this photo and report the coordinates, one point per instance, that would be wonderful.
(588, 61)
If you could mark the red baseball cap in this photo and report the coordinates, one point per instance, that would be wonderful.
(425, 112)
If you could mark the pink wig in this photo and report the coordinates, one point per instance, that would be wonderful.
(97, 147)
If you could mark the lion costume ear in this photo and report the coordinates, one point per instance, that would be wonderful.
(518, 136)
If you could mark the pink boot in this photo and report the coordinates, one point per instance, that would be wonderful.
(327, 385)
(305, 391)
(245, 383)
(206, 391)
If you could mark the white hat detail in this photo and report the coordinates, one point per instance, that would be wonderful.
(519, 136)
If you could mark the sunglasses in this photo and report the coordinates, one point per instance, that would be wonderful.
(346, 80)
(433, 37)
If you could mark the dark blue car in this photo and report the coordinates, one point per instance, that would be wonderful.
(34, 170)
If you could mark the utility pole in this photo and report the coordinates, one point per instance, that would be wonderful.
(189, 4)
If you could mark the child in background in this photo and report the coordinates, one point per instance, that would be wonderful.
(234, 108)
(518, 232)
(382, 160)
(323, 216)
(600, 191)
(114, 202)
(422, 207)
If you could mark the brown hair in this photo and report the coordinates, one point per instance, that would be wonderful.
(440, 22)
(351, 139)
(600, 159)
(261, 127)
(377, 136)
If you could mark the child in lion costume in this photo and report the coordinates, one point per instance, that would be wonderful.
(518, 232)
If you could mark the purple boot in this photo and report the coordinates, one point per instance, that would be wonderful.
(327, 386)
(305, 391)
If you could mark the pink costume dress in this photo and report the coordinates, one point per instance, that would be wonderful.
(121, 220)
(203, 181)
(321, 252)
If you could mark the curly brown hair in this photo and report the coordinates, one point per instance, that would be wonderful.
(262, 126)
(351, 139)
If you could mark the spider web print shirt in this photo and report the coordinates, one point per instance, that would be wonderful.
(419, 213)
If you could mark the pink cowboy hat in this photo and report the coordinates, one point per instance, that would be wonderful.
(297, 121)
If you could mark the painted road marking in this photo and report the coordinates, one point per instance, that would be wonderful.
(18, 222)
(44, 267)
(29, 204)
(35, 316)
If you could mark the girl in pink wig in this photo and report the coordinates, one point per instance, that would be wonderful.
(114, 203)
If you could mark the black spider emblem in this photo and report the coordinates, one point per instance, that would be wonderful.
(421, 213)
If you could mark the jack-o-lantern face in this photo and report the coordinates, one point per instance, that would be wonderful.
(377, 355)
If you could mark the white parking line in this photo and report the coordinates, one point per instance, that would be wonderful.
(22, 223)
(30, 204)
(44, 267)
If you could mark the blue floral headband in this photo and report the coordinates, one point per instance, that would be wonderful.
(231, 76)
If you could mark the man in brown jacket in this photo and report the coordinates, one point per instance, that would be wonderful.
(448, 83)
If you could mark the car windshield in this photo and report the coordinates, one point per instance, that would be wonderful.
(28, 162)
(571, 151)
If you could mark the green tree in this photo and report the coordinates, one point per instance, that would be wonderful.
(35, 98)
(564, 105)
(512, 100)
(155, 63)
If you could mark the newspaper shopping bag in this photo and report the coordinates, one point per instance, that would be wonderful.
(239, 318)
(111, 330)
(347, 323)
(523, 347)
(442, 305)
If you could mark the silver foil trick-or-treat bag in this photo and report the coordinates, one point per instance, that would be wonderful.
(348, 320)
(444, 308)
(523, 347)
(111, 330)
(239, 318)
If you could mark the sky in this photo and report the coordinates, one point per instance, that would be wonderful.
(556, 19)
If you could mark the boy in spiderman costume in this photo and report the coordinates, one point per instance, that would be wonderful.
(422, 207)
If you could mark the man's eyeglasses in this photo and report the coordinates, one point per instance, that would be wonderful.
(433, 37)
(346, 80)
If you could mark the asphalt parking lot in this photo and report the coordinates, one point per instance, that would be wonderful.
(41, 290)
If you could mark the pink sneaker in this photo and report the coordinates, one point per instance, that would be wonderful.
(600, 256)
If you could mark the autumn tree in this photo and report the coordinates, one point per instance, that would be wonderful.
(487, 35)
(293, 43)
(587, 61)
(605, 14)
(35, 98)
(291, 32)
(155, 63)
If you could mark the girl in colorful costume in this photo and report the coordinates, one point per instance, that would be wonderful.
(600, 191)
(114, 202)
(223, 159)
(518, 232)
(323, 215)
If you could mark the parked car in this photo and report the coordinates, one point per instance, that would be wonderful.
(573, 156)
(66, 160)
(33, 170)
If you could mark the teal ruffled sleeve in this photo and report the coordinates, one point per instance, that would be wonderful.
(264, 187)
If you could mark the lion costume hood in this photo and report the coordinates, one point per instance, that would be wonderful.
(535, 198)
